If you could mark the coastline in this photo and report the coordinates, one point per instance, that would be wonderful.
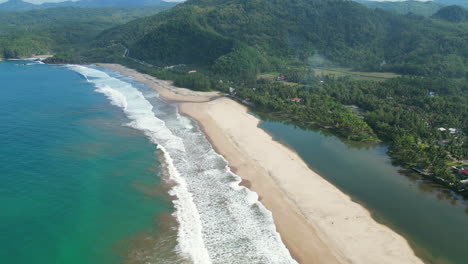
(317, 222)
(33, 57)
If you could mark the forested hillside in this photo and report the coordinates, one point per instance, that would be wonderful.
(343, 32)
(426, 8)
(463, 3)
(59, 29)
(454, 14)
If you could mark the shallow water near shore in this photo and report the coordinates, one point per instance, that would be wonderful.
(98, 169)
(75, 185)
(435, 225)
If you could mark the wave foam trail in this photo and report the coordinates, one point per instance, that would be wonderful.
(219, 221)
(139, 110)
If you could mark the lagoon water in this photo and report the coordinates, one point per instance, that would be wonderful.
(435, 224)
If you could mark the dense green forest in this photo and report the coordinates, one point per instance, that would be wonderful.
(453, 2)
(343, 32)
(425, 8)
(422, 8)
(54, 30)
(414, 114)
(454, 14)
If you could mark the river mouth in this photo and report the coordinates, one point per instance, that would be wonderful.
(426, 185)
(430, 217)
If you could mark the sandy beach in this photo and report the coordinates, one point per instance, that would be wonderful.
(317, 222)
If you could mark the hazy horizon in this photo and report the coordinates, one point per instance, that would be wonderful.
(38, 2)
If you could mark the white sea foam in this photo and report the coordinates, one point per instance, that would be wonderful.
(139, 110)
(220, 221)
(116, 97)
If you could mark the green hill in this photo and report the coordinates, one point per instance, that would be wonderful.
(463, 3)
(406, 7)
(454, 14)
(274, 31)
(60, 29)
(17, 5)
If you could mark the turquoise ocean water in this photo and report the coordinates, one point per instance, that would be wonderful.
(75, 185)
(96, 169)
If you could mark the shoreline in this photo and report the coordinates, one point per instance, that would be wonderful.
(317, 222)
(33, 57)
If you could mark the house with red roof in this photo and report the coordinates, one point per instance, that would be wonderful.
(296, 99)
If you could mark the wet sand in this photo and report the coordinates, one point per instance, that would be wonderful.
(317, 222)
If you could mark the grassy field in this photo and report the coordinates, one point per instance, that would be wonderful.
(271, 76)
(338, 72)
(343, 72)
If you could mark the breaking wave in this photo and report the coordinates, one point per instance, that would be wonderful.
(219, 220)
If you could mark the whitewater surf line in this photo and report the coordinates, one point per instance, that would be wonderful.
(219, 220)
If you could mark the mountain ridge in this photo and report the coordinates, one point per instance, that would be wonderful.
(345, 32)
(19, 5)
(426, 8)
